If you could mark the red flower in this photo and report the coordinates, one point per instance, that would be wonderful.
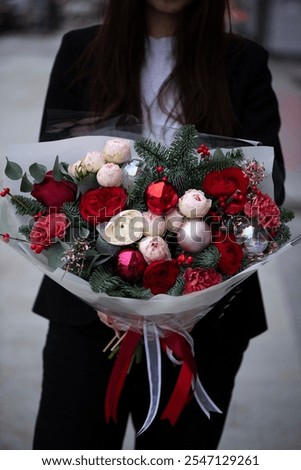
(160, 276)
(225, 182)
(49, 227)
(199, 279)
(53, 193)
(98, 205)
(265, 209)
(231, 253)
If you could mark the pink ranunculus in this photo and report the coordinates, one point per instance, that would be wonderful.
(197, 279)
(265, 209)
(49, 227)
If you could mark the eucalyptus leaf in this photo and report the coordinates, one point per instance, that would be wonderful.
(55, 254)
(38, 172)
(26, 184)
(84, 232)
(13, 171)
(218, 153)
(88, 182)
(56, 171)
(104, 248)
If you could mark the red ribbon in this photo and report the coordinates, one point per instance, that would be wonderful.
(119, 373)
(182, 351)
(179, 347)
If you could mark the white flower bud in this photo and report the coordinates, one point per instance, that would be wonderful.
(154, 249)
(109, 175)
(194, 204)
(117, 150)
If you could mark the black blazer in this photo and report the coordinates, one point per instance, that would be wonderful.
(256, 107)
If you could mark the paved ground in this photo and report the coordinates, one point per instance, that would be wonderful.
(266, 407)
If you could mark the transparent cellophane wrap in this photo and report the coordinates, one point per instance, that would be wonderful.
(167, 312)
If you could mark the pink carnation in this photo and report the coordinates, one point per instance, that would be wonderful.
(49, 227)
(199, 279)
(264, 209)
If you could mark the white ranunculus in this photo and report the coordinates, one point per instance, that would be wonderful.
(109, 175)
(93, 161)
(77, 170)
(154, 249)
(194, 204)
(117, 150)
(124, 228)
(153, 224)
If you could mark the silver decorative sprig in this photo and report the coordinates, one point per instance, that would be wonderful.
(75, 257)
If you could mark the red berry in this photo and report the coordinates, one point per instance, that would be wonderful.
(33, 247)
(5, 237)
(39, 249)
(37, 215)
(181, 259)
(160, 169)
(189, 260)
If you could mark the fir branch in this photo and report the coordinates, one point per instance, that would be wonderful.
(178, 286)
(154, 154)
(207, 258)
(26, 205)
(286, 215)
(102, 280)
(182, 151)
(283, 235)
(136, 192)
(25, 231)
(72, 212)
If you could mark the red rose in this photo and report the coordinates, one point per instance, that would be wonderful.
(265, 209)
(199, 279)
(231, 253)
(225, 182)
(53, 193)
(98, 205)
(49, 227)
(160, 276)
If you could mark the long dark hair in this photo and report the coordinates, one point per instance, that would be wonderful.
(116, 56)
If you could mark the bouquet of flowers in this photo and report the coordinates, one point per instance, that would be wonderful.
(152, 236)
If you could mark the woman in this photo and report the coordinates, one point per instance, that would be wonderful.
(166, 62)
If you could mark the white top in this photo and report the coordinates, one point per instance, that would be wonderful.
(159, 62)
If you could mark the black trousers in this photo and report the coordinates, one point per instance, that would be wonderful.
(76, 373)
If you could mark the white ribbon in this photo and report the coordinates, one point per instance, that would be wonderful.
(153, 360)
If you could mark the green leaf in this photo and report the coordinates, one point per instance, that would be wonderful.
(55, 254)
(38, 172)
(26, 185)
(105, 248)
(13, 171)
(57, 174)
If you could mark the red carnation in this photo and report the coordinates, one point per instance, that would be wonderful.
(231, 253)
(265, 209)
(99, 205)
(199, 279)
(54, 193)
(160, 276)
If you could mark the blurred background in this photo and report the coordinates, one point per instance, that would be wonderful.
(266, 407)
